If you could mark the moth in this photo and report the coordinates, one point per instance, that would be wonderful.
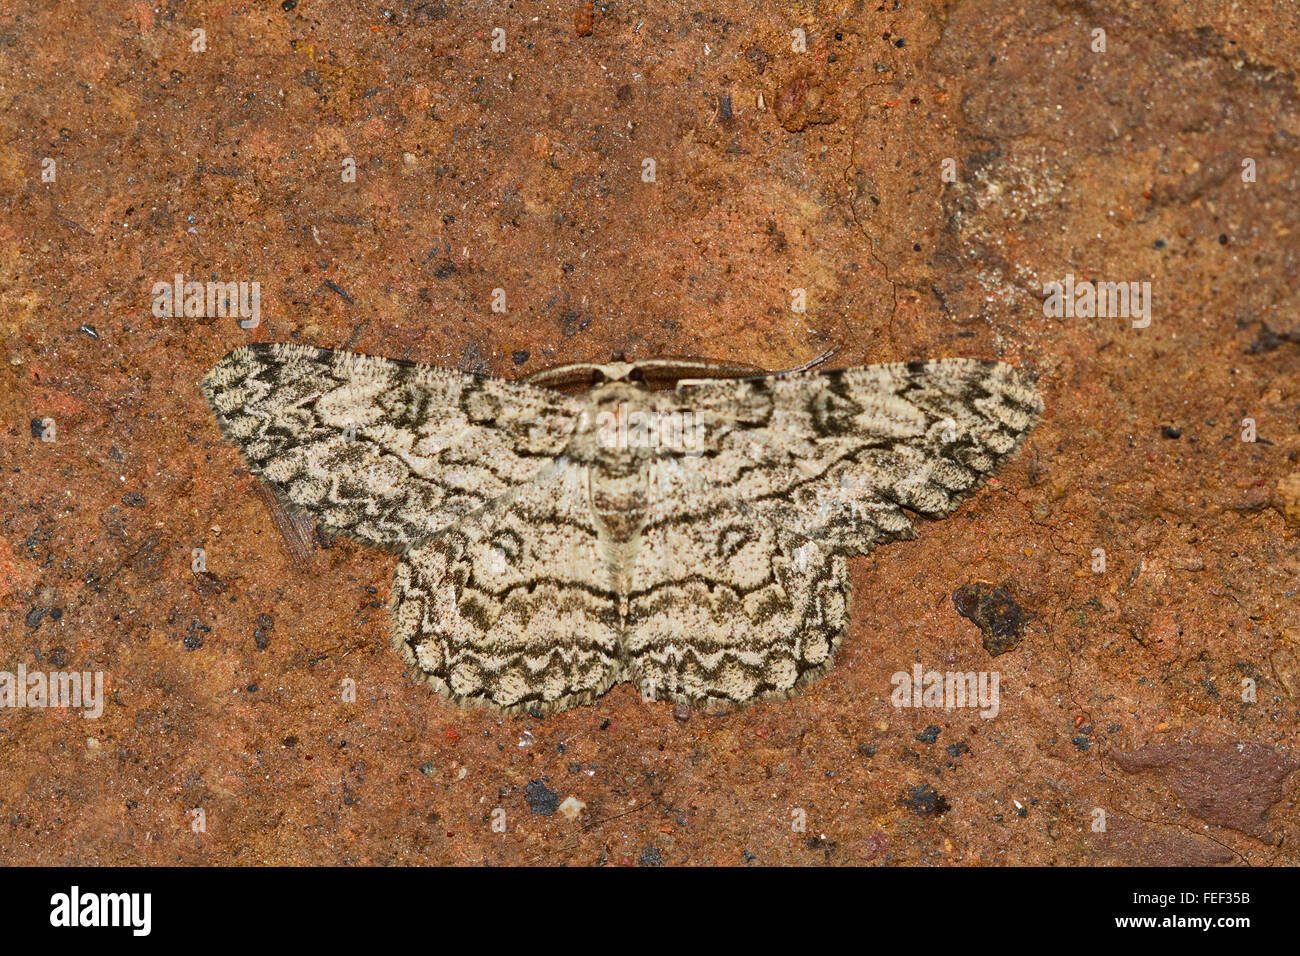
(682, 525)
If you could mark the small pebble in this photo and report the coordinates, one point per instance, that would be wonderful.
(572, 807)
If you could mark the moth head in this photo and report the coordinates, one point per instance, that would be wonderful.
(581, 376)
(618, 370)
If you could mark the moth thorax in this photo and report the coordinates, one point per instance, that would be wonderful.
(620, 502)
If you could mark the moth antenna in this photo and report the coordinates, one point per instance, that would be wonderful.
(811, 363)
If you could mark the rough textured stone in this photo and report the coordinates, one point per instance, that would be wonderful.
(1134, 843)
(523, 171)
(1231, 785)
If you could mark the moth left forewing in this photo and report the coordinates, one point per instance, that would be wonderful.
(383, 451)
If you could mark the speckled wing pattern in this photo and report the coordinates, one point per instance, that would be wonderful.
(726, 606)
(841, 457)
(742, 586)
(514, 606)
(542, 563)
(382, 451)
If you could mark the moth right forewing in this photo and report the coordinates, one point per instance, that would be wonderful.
(843, 456)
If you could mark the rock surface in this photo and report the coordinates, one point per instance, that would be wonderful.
(917, 176)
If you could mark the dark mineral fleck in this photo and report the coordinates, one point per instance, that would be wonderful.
(262, 632)
(541, 798)
(996, 613)
(925, 801)
(194, 636)
(650, 856)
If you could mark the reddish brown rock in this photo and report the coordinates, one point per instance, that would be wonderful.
(918, 172)
(1288, 496)
(802, 103)
(1231, 785)
(584, 19)
(1135, 843)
